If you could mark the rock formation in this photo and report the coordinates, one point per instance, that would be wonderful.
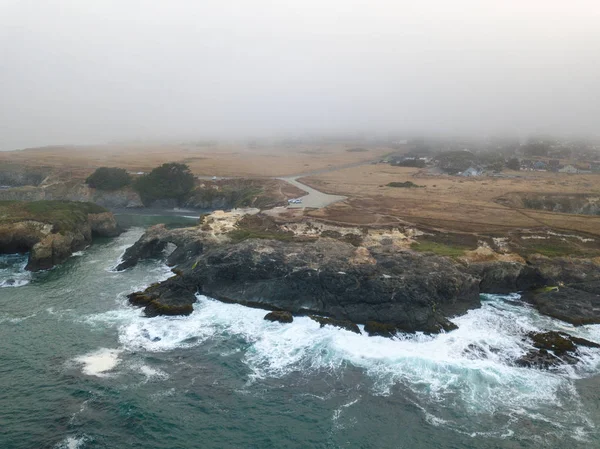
(51, 230)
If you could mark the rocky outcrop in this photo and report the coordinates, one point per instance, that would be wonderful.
(51, 238)
(171, 297)
(507, 277)
(155, 240)
(410, 291)
(280, 316)
(254, 261)
(342, 324)
(73, 191)
(577, 304)
(553, 349)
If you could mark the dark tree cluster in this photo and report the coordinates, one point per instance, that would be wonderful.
(108, 178)
(169, 181)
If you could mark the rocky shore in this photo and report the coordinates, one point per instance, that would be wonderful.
(348, 275)
(51, 230)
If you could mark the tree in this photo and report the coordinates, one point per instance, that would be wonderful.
(513, 163)
(108, 178)
(169, 181)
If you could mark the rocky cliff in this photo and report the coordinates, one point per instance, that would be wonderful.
(370, 278)
(74, 191)
(51, 230)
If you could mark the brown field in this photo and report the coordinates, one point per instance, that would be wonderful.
(449, 202)
(469, 205)
(233, 160)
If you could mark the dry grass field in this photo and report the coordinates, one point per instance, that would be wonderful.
(469, 205)
(219, 159)
(449, 202)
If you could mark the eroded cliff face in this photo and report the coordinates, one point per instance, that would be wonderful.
(370, 277)
(74, 191)
(49, 239)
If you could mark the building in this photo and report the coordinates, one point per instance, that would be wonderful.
(568, 169)
(540, 165)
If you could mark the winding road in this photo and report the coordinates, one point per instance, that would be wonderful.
(314, 198)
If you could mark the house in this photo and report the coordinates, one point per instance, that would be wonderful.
(583, 168)
(526, 164)
(471, 171)
(568, 169)
(540, 165)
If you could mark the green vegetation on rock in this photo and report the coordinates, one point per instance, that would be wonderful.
(63, 215)
(440, 249)
(258, 227)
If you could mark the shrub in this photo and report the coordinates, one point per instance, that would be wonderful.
(108, 178)
(513, 164)
(405, 185)
(169, 181)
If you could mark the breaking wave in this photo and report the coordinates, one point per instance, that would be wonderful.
(468, 372)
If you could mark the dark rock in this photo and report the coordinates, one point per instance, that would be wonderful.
(343, 324)
(559, 342)
(573, 305)
(156, 308)
(410, 291)
(507, 277)
(153, 243)
(280, 316)
(540, 359)
(381, 329)
(553, 349)
(170, 297)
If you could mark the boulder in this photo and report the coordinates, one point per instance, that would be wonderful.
(577, 304)
(280, 316)
(553, 349)
(342, 324)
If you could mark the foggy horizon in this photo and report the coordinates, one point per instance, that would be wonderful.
(100, 71)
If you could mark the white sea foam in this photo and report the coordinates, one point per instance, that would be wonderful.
(12, 271)
(470, 370)
(72, 443)
(99, 363)
(8, 283)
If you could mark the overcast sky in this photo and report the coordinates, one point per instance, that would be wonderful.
(86, 71)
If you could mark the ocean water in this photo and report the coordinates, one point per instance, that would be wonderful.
(80, 368)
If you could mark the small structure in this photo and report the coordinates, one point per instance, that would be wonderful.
(471, 171)
(540, 165)
(568, 169)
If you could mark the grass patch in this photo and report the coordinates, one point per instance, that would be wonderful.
(554, 250)
(404, 185)
(63, 215)
(259, 227)
(440, 249)
(239, 235)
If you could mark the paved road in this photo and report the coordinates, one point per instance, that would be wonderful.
(314, 198)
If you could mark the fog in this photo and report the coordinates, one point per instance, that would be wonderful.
(102, 70)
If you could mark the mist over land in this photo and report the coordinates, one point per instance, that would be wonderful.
(93, 72)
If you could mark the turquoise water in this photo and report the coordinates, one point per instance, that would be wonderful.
(80, 368)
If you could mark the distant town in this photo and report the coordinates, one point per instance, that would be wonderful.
(468, 159)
